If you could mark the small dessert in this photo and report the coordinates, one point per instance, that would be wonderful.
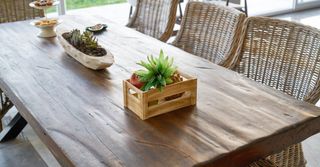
(50, 22)
(43, 3)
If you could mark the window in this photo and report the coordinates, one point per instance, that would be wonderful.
(77, 4)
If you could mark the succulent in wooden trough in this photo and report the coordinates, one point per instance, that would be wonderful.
(85, 42)
(84, 48)
(159, 72)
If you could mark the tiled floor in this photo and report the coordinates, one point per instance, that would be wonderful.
(309, 17)
(19, 153)
(27, 150)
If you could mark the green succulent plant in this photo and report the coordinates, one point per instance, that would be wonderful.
(85, 42)
(89, 40)
(86, 38)
(158, 72)
(75, 37)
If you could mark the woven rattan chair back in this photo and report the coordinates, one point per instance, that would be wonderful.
(155, 18)
(210, 31)
(285, 56)
(16, 10)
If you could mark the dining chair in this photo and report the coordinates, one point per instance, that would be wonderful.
(210, 31)
(178, 20)
(286, 56)
(16, 10)
(155, 18)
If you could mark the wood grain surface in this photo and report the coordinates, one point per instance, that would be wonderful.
(79, 113)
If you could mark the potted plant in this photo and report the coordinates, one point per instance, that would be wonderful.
(84, 47)
(158, 88)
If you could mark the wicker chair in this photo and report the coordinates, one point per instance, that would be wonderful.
(210, 31)
(285, 56)
(16, 10)
(155, 18)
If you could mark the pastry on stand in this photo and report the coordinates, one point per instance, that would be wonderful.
(46, 25)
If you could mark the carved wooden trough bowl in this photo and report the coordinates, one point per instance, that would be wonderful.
(92, 62)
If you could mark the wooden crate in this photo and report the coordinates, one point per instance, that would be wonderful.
(153, 102)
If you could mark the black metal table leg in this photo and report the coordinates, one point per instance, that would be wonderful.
(179, 18)
(13, 129)
(130, 12)
(5, 106)
(246, 7)
(15, 126)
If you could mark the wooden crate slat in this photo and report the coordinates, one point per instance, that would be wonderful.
(155, 102)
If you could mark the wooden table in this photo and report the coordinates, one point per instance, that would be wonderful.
(78, 113)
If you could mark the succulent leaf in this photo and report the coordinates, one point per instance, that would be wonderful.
(86, 38)
(157, 73)
(169, 81)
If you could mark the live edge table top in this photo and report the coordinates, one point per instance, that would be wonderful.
(78, 113)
